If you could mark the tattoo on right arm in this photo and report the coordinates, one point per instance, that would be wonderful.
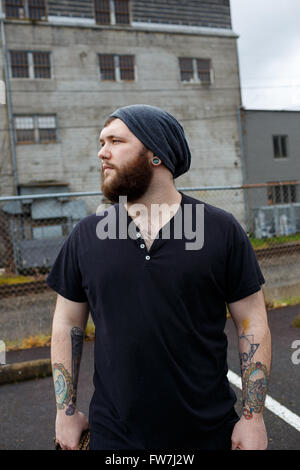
(255, 378)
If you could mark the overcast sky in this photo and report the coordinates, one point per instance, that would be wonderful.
(269, 52)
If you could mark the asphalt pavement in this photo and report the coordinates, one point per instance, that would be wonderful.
(27, 409)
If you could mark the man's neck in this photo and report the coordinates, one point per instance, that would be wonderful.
(154, 210)
(158, 193)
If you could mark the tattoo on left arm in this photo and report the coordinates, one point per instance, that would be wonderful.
(255, 377)
(65, 384)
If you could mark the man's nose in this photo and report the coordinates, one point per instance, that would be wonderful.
(104, 153)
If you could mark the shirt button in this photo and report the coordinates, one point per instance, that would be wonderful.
(142, 245)
(147, 258)
(138, 235)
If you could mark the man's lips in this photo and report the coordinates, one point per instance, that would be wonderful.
(107, 169)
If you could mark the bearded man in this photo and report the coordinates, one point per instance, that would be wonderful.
(158, 304)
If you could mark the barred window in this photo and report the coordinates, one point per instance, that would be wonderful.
(107, 66)
(24, 129)
(282, 194)
(115, 11)
(186, 69)
(280, 146)
(117, 68)
(36, 9)
(126, 63)
(14, 9)
(102, 11)
(30, 64)
(122, 11)
(32, 9)
(41, 62)
(35, 129)
(195, 70)
(47, 129)
(203, 68)
(19, 64)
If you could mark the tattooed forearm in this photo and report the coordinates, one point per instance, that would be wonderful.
(255, 377)
(65, 385)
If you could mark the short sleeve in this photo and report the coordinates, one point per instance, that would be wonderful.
(243, 274)
(65, 276)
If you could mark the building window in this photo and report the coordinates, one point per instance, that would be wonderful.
(193, 70)
(23, 9)
(41, 64)
(280, 146)
(121, 11)
(107, 66)
(282, 194)
(30, 64)
(46, 129)
(186, 69)
(35, 129)
(112, 12)
(102, 11)
(126, 63)
(14, 9)
(36, 9)
(19, 64)
(203, 69)
(24, 130)
(117, 67)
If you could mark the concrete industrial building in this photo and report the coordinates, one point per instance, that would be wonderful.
(71, 63)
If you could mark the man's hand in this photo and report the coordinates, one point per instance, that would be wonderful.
(69, 429)
(249, 435)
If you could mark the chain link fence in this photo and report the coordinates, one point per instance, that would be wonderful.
(34, 227)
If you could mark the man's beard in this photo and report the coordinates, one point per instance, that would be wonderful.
(132, 180)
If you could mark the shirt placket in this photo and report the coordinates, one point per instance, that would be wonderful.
(142, 246)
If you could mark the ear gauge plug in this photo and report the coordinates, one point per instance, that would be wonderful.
(155, 160)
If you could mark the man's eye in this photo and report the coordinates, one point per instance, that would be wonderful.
(114, 141)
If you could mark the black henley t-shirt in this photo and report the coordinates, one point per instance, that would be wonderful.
(160, 353)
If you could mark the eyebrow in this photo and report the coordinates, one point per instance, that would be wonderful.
(111, 137)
